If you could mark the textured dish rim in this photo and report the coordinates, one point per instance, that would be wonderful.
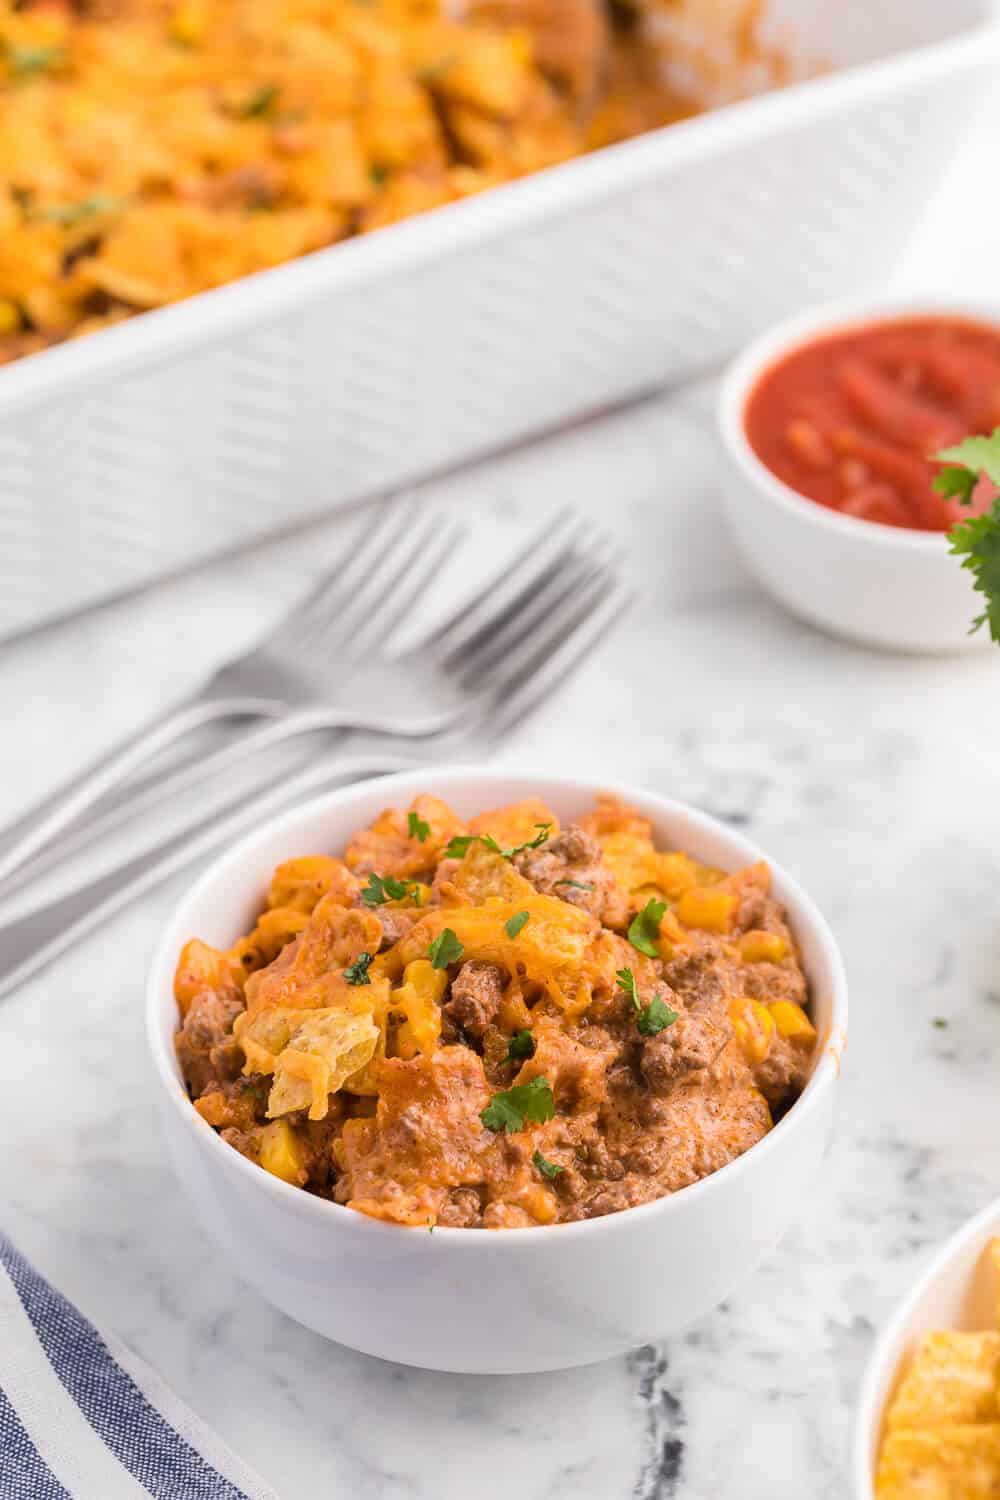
(786, 338)
(825, 1072)
(866, 1417)
(159, 333)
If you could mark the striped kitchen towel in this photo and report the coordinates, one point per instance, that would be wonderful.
(82, 1418)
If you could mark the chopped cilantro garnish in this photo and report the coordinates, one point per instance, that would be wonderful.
(259, 102)
(626, 982)
(547, 1168)
(460, 843)
(510, 1110)
(521, 1044)
(578, 885)
(977, 540)
(69, 214)
(416, 827)
(381, 889)
(644, 928)
(445, 950)
(28, 62)
(655, 1018)
(357, 972)
(652, 1018)
(940, 1023)
(517, 921)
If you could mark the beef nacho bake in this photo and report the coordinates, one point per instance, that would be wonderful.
(498, 1023)
(153, 149)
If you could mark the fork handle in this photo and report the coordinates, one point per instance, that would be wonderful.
(29, 942)
(25, 835)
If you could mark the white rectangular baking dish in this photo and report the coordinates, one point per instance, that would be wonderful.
(198, 427)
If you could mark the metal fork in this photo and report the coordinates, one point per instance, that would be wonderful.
(283, 671)
(516, 654)
(418, 693)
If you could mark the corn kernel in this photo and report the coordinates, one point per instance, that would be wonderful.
(707, 908)
(792, 1022)
(754, 1026)
(281, 1153)
(763, 947)
(10, 316)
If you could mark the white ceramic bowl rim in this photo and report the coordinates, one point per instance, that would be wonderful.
(889, 1336)
(825, 1071)
(762, 354)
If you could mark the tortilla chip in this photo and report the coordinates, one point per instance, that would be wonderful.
(945, 1463)
(952, 1378)
(322, 1051)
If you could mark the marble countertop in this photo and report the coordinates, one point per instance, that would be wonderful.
(872, 777)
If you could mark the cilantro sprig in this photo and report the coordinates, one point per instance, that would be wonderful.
(445, 949)
(977, 540)
(71, 214)
(578, 885)
(521, 1044)
(650, 1019)
(644, 929)
(416, 827)
(381, 889)
(513, 1108)
(513, 926)
(459, 845)
(357, 972)
(547, 1168)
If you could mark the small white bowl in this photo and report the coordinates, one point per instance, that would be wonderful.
(957, 1290)
(473, 1300)
(879, 585)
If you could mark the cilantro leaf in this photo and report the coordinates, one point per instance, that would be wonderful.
(381, 889)
(445, 950)
(28, 62)
(460, 843)
(979, 455)
(521, 1044)
(644, 928)
(650, 1019)
(547, 1168)
(416, 827)
(259, 102)
(510, 1110)
(69, 214)
(517, 921)
(579, 885)
(626, 982)
(955, 483)
(655, 1018)
(357, 972)
(977, 543)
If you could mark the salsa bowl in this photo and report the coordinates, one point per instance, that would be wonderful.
(880, 585)
(474, 1300)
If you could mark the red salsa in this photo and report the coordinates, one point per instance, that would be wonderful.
(850, 420)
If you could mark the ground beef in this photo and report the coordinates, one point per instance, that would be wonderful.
(784, 981)
(694, 1041)
(461, 1209)
(396, 923)
(206, 1048)
(476, 992)
(783, 1073)
(569, 866)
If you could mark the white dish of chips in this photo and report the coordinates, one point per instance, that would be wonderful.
(960, 1292)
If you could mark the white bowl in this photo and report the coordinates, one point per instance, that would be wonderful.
(957, 1290)
(474, 1300)
(879, 585)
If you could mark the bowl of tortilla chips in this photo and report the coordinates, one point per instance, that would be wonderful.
(928, 1420)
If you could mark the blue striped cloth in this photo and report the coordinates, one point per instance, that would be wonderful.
(83, 1418)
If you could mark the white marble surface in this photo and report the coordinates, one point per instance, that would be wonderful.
(872, 777)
